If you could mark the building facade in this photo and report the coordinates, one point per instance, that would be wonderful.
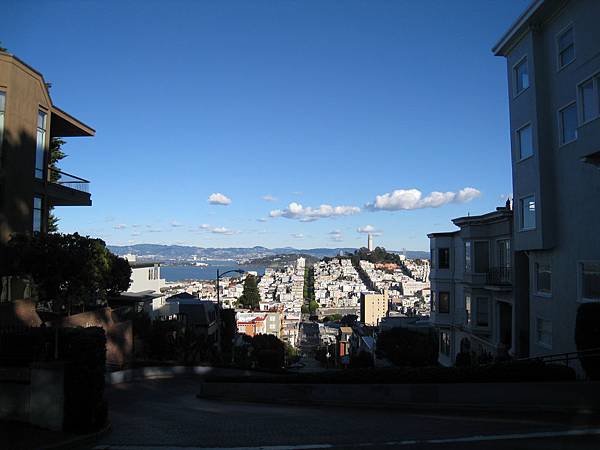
(373, 308)
(553, 64)
(29, 120)
(472, 303)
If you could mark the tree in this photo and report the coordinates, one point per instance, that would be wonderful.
(406, 347)
(250, 297)
(313, 306)
(268, 351)
(56, 154)
(68, 269)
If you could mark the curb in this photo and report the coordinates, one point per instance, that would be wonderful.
(79, 440)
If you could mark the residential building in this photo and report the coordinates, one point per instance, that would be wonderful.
(194, 314)
(553, 65)
(29, 120)
(147, 283)
(472, 302)
(373, 307)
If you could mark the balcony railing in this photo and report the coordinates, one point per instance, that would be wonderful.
(499, 276)
(67, 180)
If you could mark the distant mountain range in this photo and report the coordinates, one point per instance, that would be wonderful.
(183, 253)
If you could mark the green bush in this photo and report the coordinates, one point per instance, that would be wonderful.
(405, 347)
(587, 336)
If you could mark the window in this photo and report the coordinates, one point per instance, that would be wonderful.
(566, 48)
(504, 254)
(543, 331)
(482, 257)
(525, 142)
(543, 278)
(521, 76)
(468, 264)
(37, 214)
(590, 280)
(483, 313)
(40, 145)
(445, 343)
(2, 108)
(444, 258)
(590, 99)
(468, 309)
(527, 212)
(568, 123)
(444, 302)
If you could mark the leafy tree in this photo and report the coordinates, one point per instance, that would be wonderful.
(313, 306)
(406, 347)
(268, 351)
(250, 297)
(304, 309)
(56, 154)
(68, 269)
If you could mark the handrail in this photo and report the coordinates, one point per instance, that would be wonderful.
(66, 179)
(566, 355)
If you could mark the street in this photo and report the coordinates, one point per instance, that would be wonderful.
(167, 414)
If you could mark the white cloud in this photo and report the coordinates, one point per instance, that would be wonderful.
(155, 230)
(369, 229)
(120, 226)
(221, 230)
(407, 199)
(268, 198)
(218, 199)
(297, 235)
(204, 226)
(176, 224)
(309, 214)
(136, 234)
(262, 219)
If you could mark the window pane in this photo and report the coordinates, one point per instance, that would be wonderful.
(565, 40)
(444, 258)
(40, 144)
(2, 100)
(544, 278)
(37, 214)
(522, 76)
(589, 105)
(568, 122)
(468, 308)
(591, 281)
(528, 213)
(525, 142)
(468, 256)
(482, 312)
(566, 48)
(544, 332)
(482, 258)
(444, 302)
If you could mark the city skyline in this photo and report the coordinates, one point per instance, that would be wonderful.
(301, 125)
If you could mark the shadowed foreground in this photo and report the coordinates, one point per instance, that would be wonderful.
(166, 413)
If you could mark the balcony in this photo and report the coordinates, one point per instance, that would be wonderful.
(67, 190)
(499, 276)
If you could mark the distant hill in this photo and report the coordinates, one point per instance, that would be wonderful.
(183, 252)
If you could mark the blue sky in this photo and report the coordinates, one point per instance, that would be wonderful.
(306, 103)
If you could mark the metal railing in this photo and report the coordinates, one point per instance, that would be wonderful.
(566, 358)
(67, 180)
(499, 275)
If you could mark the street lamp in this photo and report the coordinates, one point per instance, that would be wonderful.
(219, 275)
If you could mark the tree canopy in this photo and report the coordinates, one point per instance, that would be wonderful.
(250, 297)
(68, 269)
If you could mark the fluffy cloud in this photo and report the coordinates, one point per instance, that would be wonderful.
(262, 219)
(221, 230)
(268, 198)
(297, 235)
(406, 199)
(120, 226)
(369, 229)
(219, 199)
(309, 214)
(176, 224)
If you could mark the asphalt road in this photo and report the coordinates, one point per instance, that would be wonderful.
(166, 414)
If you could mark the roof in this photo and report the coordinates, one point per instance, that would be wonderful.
(63, 124)
(442, 234)
(182, 296)
(501, 213)
(536, 12)
(140, 265)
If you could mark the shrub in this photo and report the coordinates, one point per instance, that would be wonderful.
(268, 351)
(587, 336)
(406, 347)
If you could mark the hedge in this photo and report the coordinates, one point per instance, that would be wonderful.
(507, 372)
(83, 350)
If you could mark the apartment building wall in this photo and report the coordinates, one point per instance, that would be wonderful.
(566, 189)
(373, 308)
(25, 95)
